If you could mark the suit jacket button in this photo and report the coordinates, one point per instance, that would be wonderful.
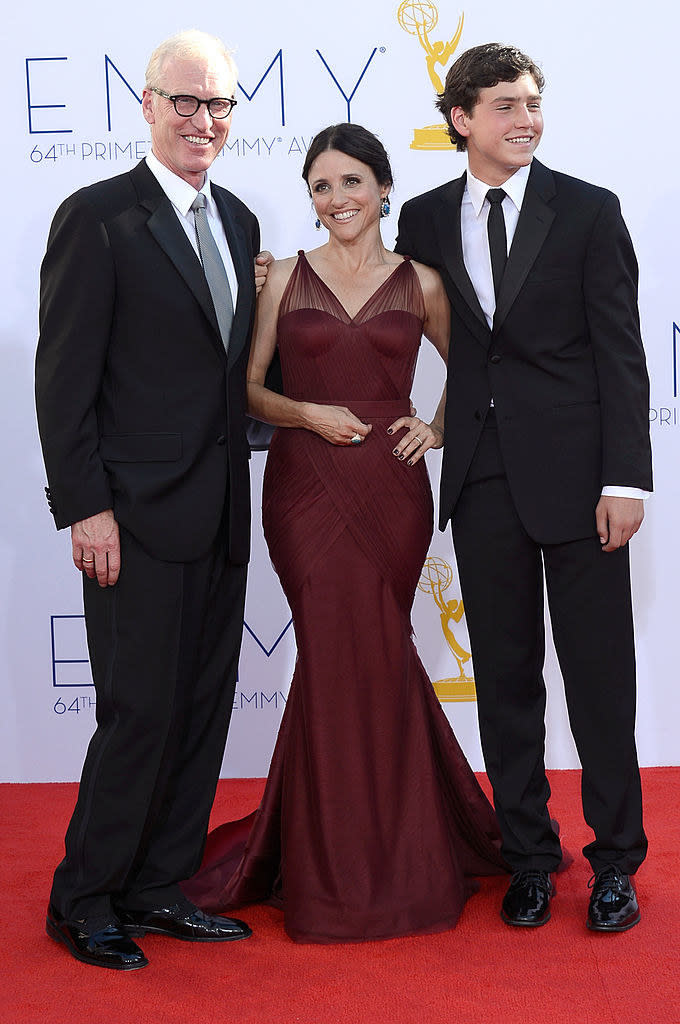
(495, 358)
(221, 439)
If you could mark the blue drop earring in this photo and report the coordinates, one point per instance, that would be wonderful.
(385, 207)
(317, 224)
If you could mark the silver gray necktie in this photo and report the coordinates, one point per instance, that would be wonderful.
(213, 267)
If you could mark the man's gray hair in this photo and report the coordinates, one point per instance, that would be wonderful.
(191, 44)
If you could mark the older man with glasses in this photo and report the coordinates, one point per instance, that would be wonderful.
(146, 308)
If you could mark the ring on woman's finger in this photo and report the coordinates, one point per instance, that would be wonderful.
(418, 439)
(88, 560)
(355, 440)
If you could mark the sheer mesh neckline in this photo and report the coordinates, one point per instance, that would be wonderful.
(306, 289)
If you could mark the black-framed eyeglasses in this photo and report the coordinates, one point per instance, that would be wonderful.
(186, 106)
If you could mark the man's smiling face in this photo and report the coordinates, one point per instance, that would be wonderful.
(188, 145)
(503, 130)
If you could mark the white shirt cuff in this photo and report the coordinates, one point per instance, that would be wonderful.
(614, 491)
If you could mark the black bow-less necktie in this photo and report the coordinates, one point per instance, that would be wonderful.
(498, 240)
(213, 267)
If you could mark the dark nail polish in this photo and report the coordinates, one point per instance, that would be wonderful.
(396, 451)
(389, 430)
(401, 458)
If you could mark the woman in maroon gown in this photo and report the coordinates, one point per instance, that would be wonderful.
(372, 823)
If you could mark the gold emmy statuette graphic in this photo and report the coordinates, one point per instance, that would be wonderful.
(436, 577)
(418, 17)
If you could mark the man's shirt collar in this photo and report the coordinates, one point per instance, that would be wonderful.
(514, 187)
(180, 193)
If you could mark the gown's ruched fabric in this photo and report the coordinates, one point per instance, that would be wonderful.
(372, 823)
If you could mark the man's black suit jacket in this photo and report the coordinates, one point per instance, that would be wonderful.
(139, 407)
(564, 362)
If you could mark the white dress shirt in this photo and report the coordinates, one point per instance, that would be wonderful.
(181, 194)
(474, 214)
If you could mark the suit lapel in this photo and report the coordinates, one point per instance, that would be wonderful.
(451, 242)
(532, 229)
(245, 274)
(166, 229)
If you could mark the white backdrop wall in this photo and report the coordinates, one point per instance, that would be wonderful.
(74, 75)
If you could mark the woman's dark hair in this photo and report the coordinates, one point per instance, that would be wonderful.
(482, 67)
(354, 141)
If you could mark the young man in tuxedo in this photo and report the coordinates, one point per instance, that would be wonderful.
(546, 465)
(146, 310)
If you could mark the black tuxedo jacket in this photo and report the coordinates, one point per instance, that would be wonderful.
(564, 361)
(139, 407)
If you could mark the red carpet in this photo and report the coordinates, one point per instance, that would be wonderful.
(481, 973)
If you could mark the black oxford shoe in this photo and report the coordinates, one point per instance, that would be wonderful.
(183, 922)
(527, 901)
(101, 943)
(613, 904)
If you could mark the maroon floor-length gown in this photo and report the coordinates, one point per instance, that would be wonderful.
(372, 823)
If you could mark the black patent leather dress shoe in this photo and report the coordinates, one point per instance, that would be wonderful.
(100, 943)
(183, 921)
(527, 901)
(613, 904)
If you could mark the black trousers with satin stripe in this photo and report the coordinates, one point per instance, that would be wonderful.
(501, 573)
(164, 645)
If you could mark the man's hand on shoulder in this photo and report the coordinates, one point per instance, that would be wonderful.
(262, 261)
(617, 520)
(96, 547)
